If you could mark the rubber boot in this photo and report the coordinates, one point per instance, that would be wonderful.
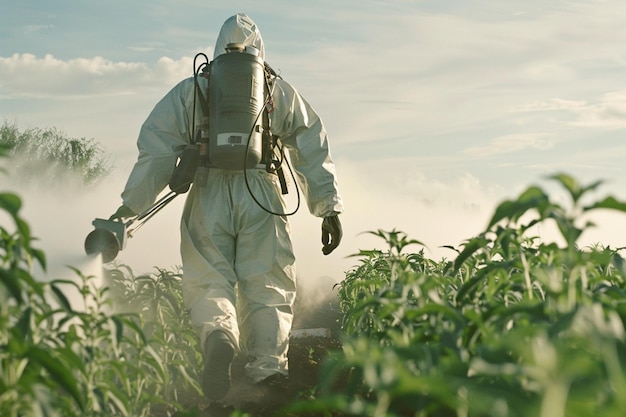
(218, 356)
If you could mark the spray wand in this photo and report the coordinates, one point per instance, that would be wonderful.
(109, 236)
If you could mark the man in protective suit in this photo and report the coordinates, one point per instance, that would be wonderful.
(238, 263)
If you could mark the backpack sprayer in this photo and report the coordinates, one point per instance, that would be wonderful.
(231, 136)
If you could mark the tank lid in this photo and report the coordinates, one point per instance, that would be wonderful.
(240, 47)
(235, 47)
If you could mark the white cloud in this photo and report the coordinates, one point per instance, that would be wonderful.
(554, 104)
(29, 76)
(609, 111)
(511, 143)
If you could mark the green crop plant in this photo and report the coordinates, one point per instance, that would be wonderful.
(27, 364)
(157, 301)
(110, 363)
(60, 360)
(512, 326)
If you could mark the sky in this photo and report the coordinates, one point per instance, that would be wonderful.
(436, 110)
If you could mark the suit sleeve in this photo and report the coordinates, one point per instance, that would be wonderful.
(303, 134)
(161, 138)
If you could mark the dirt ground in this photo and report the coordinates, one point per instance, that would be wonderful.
(305, 358)
(306, 355)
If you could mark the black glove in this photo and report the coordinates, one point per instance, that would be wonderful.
(122, 211)
(331, 234)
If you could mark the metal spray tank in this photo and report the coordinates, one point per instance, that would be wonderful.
(236, 97)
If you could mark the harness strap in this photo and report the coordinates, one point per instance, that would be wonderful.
(203, 101)
(269, 141)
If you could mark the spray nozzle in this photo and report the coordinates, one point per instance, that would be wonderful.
(108, 238)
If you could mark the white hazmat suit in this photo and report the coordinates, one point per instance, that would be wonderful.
(238, 263)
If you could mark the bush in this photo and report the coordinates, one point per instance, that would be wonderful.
(48, 157)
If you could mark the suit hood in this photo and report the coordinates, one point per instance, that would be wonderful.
(239, 29)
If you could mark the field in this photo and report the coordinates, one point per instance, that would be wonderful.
(509, 326)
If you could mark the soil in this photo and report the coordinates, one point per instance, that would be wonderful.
(306, 356)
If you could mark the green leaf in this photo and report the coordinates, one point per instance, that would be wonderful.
(569, 183)
(189, 379)
(444, 310)
(68, 282)
(23, 325)
(610, 203)
(469, 249)
(60, 296)
(58, 372)
(26, 277)
(574, 188)
(127, 320)
(24, 229)
(11, 203)
(156, 363)
(467, 286)
(532, 197)
(71, 358)
(40, 256)
(119, 399)
(117, 334)
(10, 281)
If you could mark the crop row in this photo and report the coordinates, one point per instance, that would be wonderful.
(512, 326)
